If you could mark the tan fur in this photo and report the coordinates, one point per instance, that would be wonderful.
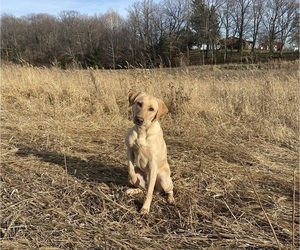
(146, 149)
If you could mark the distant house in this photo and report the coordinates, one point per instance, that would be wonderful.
(295, 47)
(204, 47)
(263, 46)
(277, 46)
(233, 43)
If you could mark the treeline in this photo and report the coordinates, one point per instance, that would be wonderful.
(153, 34)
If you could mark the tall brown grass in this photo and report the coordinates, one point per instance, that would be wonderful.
(232, 135)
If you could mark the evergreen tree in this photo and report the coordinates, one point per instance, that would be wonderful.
(205, 25)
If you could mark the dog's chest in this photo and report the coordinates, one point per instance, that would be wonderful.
(139, 144)
(136, 139)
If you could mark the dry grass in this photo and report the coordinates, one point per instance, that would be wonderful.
(232, 137)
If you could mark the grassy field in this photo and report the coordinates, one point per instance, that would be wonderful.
(232, 138)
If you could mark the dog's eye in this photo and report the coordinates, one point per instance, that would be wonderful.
(139, 104)
(151, 109)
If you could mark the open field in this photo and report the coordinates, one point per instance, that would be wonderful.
(232, 138)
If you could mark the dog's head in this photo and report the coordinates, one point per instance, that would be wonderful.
(146, 108)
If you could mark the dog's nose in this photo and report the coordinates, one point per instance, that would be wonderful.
(138, 120)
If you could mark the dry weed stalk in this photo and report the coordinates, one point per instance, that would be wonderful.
(294, 209)
(262, 207)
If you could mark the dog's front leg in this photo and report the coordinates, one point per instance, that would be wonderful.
(151, 184)
(132, 177)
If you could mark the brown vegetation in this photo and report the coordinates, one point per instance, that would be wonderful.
(232, 138)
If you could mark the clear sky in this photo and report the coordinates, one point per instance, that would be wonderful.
(54, 7)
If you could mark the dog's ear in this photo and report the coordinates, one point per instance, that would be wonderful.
(132, 97)
(162, 109)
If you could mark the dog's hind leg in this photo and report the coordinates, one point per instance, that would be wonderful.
(165, 183)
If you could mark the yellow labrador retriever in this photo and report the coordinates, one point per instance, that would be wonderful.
(148, 168)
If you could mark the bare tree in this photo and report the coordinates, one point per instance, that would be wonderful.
(72, 36)
(176, 17)
(226, 22)
(113, 25)
(289, 15)
(42, 38)
(280, 15)
(241, 17)
(257, 17)
(13, 38)
(294, 37)
(144, 21)
(205, 23)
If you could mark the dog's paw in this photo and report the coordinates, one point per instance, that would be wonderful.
(133, 191)
(170, 199)
(144, 211)
(134, 181)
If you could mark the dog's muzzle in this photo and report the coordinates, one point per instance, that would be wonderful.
(138, 121)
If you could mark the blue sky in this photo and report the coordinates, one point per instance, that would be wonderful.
(90, 7)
